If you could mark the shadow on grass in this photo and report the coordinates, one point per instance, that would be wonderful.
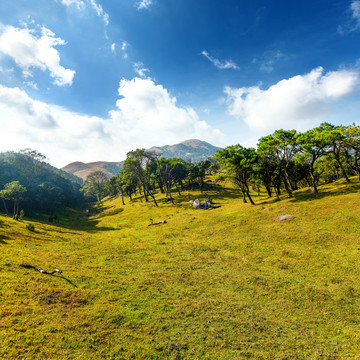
(3, 238)
(66, 279)
(333, 189)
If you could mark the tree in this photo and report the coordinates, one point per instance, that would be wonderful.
(282, 147)
(352, 147)
(313, 145)
(335, 138)
(13, 191)
(140, 165)
(238, 161)
(95, 185)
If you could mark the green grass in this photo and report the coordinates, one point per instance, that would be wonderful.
(228, 283)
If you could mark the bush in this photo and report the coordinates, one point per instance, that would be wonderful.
(22, 214)
(30, 227)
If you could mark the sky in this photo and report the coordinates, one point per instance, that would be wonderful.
(90, 80)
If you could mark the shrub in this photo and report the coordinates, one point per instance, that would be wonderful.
(30, 227)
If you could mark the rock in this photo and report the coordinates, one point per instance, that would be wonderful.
(283, 218)
(197, 204)
(191, 202)
(207, 204)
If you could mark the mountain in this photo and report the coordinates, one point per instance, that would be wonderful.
(82, 170)
(194, 150)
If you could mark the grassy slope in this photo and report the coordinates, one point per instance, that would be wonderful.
(228, 283)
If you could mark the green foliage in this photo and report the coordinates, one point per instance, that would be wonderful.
(30, 227)
(95, 185)
(239, 163)
(22, 215)
(47, 188)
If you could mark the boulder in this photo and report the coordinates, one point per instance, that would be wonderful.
(207, 204)
(196, 204)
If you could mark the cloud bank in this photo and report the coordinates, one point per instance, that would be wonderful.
(145, 115)
(30, 50)
(295, 103)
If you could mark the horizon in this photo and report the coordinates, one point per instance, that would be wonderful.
(82, 80)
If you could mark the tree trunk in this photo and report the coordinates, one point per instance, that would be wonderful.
(287, 186)
(145, 195)
(313, 177)
(268, 189)
(122, 198)
(5, 207)
(337, 157)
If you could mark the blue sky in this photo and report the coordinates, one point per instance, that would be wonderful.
(90, 80)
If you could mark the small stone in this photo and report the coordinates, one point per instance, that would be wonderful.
(283, 218)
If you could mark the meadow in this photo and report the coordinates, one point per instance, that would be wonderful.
(226, 283)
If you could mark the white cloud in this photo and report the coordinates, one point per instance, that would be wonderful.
(298, 102)
(220, 64)
(353, 24)
(100, 11)
(81, 4)
(31, 51)
(140, 69)
(78, 4)
(144, 4)
(145, 115)
(269, 59)
(124, 47)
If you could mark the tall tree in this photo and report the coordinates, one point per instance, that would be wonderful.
(95, 185)
(313, 145)
(13, 191)
(282, 147)
(335, 139)
(238, 161)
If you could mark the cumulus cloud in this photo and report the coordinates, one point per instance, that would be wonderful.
(145, 115)
(144, 4)
(298, 102)
(220, 64)
(31, 51)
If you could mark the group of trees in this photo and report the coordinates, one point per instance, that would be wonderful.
(283, 162)
(288, 160)
(27, 182)
(145, 173)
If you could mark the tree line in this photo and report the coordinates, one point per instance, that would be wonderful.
(288, 160)
(282, 162)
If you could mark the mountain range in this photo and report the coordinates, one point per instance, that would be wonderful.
(194, 150)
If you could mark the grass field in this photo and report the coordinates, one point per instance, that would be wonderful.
(227, 283)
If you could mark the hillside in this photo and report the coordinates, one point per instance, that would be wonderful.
(228, 283)
(82, 170)
(196, 150)
(47, 188)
